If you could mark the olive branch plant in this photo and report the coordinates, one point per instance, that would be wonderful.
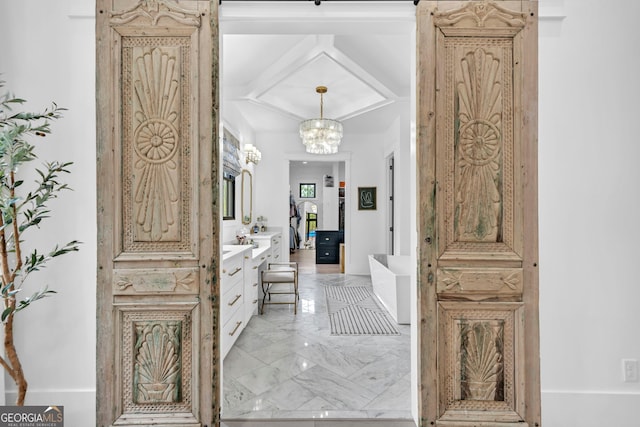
(22, 209)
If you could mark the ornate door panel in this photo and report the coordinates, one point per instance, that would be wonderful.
(477, 114)
(157, 309)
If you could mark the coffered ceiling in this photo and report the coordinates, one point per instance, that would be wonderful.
(274, 55)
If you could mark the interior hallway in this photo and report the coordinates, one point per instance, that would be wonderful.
(289, 366)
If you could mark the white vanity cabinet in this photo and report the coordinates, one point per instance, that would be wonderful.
(251, 283)
(276, 248)
(274, 241)
(239, 283)
(232, 289)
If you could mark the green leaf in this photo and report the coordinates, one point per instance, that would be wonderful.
(35, 297)
(7, 311)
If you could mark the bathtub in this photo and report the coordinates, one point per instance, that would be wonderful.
(390, 276)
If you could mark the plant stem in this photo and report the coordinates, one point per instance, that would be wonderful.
(14, 367)
(16, 233)
(16, 372)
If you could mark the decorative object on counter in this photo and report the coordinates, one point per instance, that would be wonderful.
(256, 229)
(252, 154)
(321, 136)
(263, 223)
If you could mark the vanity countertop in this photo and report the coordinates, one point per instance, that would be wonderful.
(263, 235)
(229, 251)
(259, 251)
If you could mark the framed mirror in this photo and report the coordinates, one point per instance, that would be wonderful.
(246, 197)
(228, 197)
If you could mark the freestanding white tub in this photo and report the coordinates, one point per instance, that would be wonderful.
(390, 276)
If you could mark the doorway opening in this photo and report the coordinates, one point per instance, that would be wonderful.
(382, 108)
(477, 244)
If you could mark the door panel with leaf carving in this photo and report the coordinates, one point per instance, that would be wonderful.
(156, 265)
(477, 114)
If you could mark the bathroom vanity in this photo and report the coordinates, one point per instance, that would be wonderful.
(240, 280)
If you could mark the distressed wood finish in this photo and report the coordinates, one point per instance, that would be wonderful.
(157, 108)
(478, 284)
(477, 189)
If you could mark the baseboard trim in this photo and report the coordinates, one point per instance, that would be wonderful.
(79, 404)
(562, 408)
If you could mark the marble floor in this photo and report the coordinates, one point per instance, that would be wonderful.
(286, 366)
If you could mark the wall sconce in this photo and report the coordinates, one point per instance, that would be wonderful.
(252, 154)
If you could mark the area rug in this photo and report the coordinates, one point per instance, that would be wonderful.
(355, 311)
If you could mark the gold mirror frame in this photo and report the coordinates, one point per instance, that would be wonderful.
(246, 197)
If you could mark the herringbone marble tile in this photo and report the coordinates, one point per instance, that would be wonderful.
(289, 366)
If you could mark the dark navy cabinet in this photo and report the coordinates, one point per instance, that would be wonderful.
(328, 246)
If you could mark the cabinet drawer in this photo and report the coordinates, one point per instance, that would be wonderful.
(276, 242)
(326, 257)
(327, 237)
(250, 307)
(232, 271)
(231, 301)
(231, 330)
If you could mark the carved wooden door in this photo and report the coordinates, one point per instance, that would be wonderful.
(157, 212)
(477, 151)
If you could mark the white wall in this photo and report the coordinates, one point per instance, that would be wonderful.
(589, 206)
(330, 200)
(589, 210)
(398, 143)
(46, 56)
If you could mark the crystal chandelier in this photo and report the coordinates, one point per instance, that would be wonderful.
(321, 136)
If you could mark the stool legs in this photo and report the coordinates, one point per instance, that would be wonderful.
(282, 273)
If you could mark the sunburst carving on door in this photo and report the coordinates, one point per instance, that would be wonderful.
(156, 136)
(478, 154)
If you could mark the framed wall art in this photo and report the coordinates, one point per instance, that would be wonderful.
(366, 198)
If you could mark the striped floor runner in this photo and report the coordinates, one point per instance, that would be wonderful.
(354, 311)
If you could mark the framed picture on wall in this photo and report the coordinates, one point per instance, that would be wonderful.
(366, 198)
(328, 180)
